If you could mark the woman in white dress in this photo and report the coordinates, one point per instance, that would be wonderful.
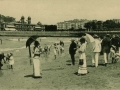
(36, 60)
(82, 70)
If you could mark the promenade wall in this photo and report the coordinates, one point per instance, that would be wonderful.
(54, 33)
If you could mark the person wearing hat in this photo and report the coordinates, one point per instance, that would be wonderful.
(106, 45)
(96, 50)
(72, 50)
(36, 60)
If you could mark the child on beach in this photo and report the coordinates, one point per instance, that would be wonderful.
(11, 60)
(7, 60)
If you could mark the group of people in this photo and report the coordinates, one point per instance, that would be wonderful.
(106, 46)
(38, 50)
(58, 48)
(7, 59)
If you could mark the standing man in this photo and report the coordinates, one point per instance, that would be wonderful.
(106, 45)
(72, 50)
(96, 50)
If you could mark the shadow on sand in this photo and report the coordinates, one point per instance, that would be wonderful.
(94, 66)
(28, 76)
(52, 69)
(68, 61)
(68, 64)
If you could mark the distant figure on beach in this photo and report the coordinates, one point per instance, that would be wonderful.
(61, 46)
(2, 57)
(7, 60)
(49, 47)
(55, 50)
(36, 60)
(72, 50)
(58, 48)
(11, 61)
(46, 49)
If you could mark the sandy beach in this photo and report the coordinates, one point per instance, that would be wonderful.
(56, 74)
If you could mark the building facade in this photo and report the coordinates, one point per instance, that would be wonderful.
(22, 25)
(72, 24)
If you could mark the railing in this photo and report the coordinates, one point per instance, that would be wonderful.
(53, 33)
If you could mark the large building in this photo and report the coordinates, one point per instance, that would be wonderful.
(22, 25)
(116, 20)
(72, 24)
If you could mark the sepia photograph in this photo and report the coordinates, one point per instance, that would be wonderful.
(59, 44)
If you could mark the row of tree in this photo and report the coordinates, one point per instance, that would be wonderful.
(100, 25)
(6, 18)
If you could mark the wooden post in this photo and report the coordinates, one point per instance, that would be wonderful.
(1, 41)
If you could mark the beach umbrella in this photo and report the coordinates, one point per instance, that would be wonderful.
(29, 42)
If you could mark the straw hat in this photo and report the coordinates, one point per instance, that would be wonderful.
(96, 36)
(72, 40)
(107, 35)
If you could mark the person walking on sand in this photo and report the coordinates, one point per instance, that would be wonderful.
(36, 60)
(96, 50)
(55, 50)
(72, 51)
(82, 69)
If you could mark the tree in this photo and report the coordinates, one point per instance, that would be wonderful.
(109, 24)
(93, 25)
(88, 25)
(99, 25)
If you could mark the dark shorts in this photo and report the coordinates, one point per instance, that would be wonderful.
(106, 50)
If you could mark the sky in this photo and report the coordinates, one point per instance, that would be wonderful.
(54, 11)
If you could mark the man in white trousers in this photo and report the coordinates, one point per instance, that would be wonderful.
(96, 50)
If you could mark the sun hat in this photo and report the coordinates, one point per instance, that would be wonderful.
(95, 36)
(72, 39)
